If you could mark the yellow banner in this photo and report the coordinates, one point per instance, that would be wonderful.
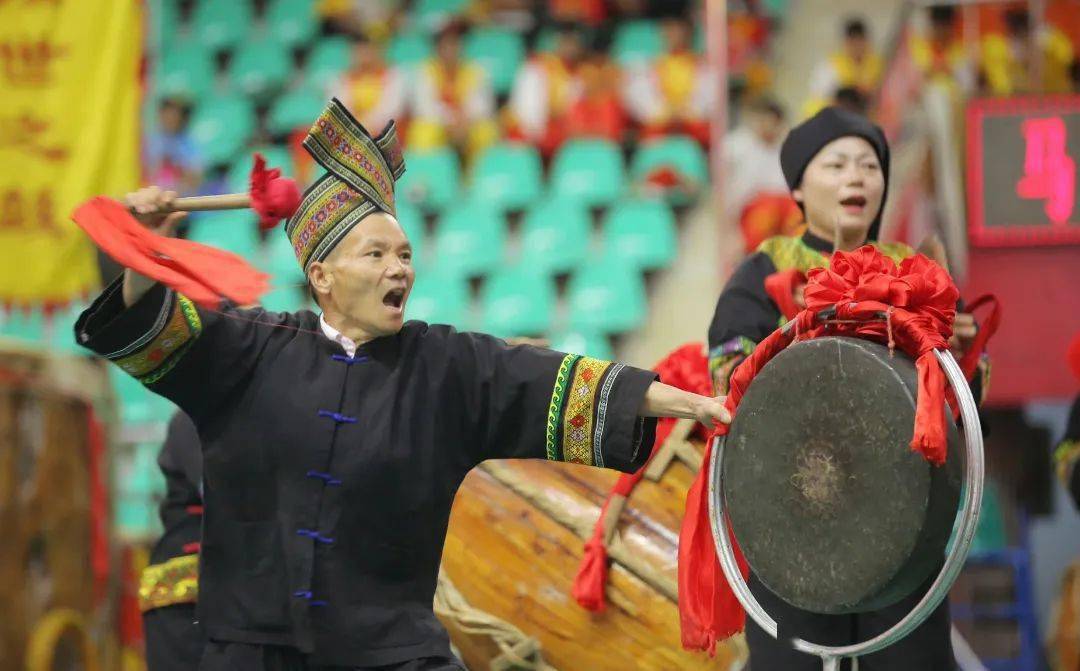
(69, 105)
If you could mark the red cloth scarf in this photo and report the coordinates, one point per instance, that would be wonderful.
(920, 300)
(203, 274)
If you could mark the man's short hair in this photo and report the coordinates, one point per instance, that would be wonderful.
(855, 27)
(942, 15)
(1017, 20)
(766, 104)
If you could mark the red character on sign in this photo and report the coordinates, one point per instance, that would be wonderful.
(1049, 172)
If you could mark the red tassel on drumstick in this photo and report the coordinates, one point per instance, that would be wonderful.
(204, 274)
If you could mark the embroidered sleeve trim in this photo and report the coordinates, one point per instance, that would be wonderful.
(1066, 458)
(158, 325)
(579, 415)
(601, 414)
(167, 584)
(162, 350)
(558, 394)
(739, 346)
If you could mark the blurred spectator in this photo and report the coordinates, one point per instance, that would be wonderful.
(598, 112)
(172, 159)
(940, 55)
(374, 18)
(591, 13)
(373, 91)
(675, 94)
(754, 188)
(1010, 62)
(547, 86)
(852, 100)
(454, 102)
(516, 15)
(747, 57)
(856, 65)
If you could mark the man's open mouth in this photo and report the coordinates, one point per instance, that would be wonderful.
(394, 298)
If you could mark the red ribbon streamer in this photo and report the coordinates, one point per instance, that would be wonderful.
(686, 368)
(203, 274)
(920, 299)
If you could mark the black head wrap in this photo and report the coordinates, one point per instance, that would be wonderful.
(805, 140)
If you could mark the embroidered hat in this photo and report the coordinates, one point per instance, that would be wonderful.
(361, 171)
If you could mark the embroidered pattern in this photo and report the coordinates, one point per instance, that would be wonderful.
(737, 348)
(329, 210)
(344, 147)
(1066, 460)
(790, 252)
(175, 581)
(601, 414)
(360, 180)
(581, 405)
(165, 348)
(555, 409)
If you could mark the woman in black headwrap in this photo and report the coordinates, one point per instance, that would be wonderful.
(837, 166)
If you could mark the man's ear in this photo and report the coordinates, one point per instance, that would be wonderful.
(320, 278)
(797, 195)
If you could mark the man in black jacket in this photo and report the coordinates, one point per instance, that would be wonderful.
(333, 444)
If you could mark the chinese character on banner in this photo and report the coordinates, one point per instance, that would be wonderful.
(1049, 172)
(69, 130)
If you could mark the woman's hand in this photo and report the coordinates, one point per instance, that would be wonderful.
(662, 400)
(964, 331)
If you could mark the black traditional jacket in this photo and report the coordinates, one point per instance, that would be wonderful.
(172, 576)
(328, 479)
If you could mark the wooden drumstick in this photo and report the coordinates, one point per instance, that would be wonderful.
(225, 201)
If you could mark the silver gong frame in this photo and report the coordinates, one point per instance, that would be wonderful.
(964, 531)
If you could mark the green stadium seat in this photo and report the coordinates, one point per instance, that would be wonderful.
(641, 233)
(260, 68)
(586, 343)
(222, 126)
(555, 236)
(470, 239)
(221, 25)
(545, 41)
(185, 70)
(276, 257)
(990, 534)
(239, 175)
(294, 23)
(508, 176)
(61, 329)
(432, 178)
(234, 231)
(680, 152)
(409, 49)
(163, 18)
(499, 51)
(329, 58)
(589, 171)
(606, 297)
(439, 298)
(517, 302)
(25, 325)
(296, 109)
(412, 222)
(637, 41)
(432, 14)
